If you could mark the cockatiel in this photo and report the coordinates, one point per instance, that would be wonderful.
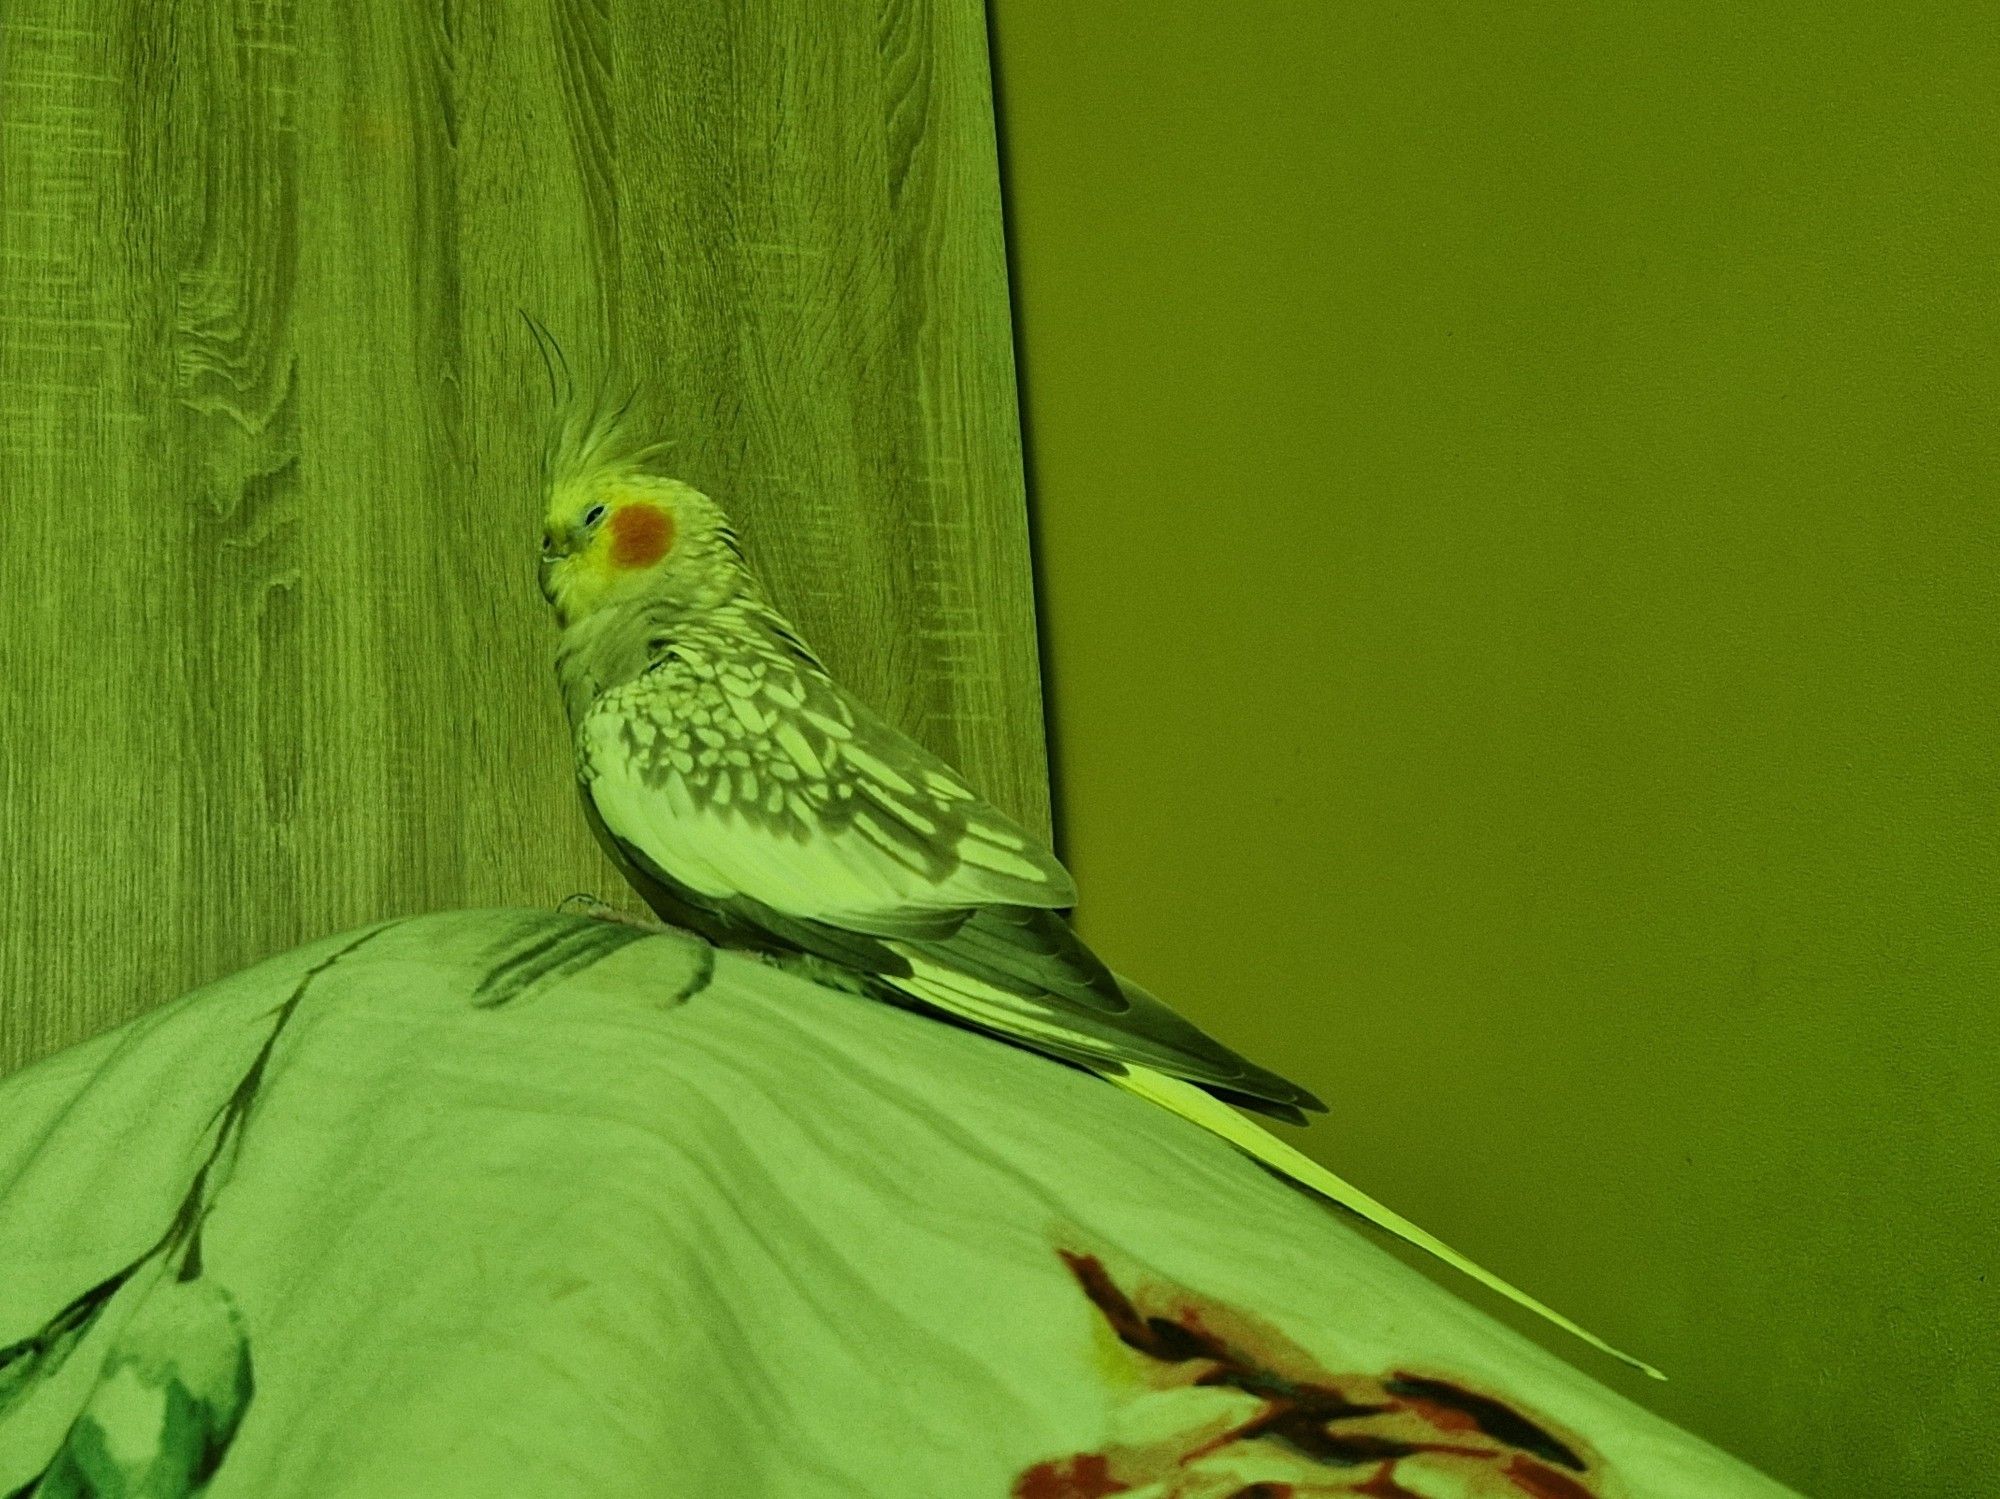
(751, 798)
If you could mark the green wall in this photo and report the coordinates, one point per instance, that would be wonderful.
(1516, 494)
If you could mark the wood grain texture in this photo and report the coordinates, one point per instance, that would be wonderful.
(274, 659)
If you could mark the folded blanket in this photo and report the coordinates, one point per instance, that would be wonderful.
(498, 1203)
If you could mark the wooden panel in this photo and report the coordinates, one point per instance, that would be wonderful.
(274, 657)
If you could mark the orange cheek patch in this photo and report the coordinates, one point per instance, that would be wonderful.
(640, 535)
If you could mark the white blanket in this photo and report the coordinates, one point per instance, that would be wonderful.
(501, 1203)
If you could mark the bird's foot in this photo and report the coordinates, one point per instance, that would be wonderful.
(818, 970)
(583, 904)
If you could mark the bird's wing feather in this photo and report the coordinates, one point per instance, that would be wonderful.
(772, 796)
(775, 784)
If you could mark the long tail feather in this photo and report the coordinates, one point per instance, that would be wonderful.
(1199, 1107)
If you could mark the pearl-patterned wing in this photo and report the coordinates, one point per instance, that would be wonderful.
(745, 791)
(741, 770)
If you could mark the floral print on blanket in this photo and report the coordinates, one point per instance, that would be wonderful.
(1218, 1405)
(173, 1378)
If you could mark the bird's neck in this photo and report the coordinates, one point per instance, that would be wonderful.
(617, 643)
(745, 620)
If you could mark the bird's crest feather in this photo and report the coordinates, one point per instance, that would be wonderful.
(592, 437)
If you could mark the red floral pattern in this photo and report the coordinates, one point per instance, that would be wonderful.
(1222, 1406)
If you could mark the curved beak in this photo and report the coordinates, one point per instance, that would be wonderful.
(555, 548)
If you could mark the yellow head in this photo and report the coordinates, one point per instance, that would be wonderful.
(615, 531)
(633, 535)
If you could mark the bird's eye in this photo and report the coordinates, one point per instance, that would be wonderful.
(548, 543)
(593, 515)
